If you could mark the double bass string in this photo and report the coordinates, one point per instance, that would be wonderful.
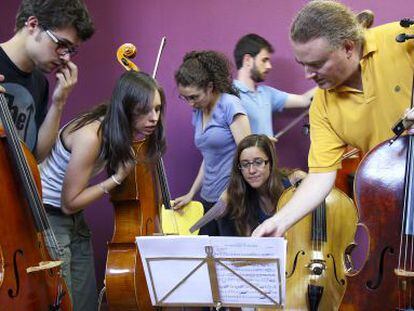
(160, 165)
(24, 172)
(27, 180)
(407, 227)
(409, 220)
(166, 192)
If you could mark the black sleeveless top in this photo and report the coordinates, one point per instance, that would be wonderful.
(226, 225)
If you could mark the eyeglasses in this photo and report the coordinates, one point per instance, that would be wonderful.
(63, 47)
(192, 98)
(258, 163)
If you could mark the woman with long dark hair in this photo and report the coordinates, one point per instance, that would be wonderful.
(100, 138)
(255, 186)
(219, 120)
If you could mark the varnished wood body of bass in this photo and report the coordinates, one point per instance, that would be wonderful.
(136, 203)
(316, 253)
(379, 194)
(22, 246)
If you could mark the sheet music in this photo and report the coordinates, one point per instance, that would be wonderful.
(262, 275)
(168, 260)
(167, 273)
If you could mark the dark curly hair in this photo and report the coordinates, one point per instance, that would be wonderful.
(57, 14)
(200, 68)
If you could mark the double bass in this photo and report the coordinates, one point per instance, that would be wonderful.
(139, 212)
(383, 196)
(136, 202)
(30, 274)
(318, 245)
(346, 174)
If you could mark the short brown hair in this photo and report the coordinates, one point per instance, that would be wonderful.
(57, 14)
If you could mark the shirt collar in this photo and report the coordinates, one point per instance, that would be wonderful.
(369, 46)
(241, 86)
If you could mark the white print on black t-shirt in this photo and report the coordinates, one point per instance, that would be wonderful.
(23, 111)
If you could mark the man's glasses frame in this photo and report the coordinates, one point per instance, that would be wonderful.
(63, 48)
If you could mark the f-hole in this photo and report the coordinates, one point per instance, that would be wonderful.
(16, 275)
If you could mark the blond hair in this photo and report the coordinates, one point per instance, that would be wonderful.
(326, 19)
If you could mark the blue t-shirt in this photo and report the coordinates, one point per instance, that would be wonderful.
(217, 145)
(260, 106)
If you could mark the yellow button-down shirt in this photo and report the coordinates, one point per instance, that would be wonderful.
(345, 116)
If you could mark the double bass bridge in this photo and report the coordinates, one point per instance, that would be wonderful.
(317, 266)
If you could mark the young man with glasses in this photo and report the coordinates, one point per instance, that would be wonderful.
(47, 35)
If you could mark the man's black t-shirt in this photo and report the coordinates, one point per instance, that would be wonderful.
(28, 100)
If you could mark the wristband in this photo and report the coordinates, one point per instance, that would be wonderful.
(115, 180)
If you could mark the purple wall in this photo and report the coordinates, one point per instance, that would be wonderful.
(188, 25)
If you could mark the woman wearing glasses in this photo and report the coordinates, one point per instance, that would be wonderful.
(99, 138)
(255, 186)
(219, 120)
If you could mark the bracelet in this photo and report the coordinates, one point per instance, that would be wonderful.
(101, 185)
(115, 180)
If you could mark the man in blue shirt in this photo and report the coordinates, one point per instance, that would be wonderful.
(252, 56)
